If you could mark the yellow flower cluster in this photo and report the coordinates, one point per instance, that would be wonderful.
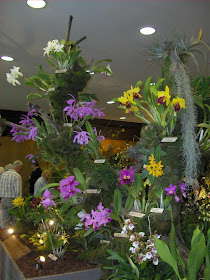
(129, 98)
(164, 96)
(154, 168)
(18, 202)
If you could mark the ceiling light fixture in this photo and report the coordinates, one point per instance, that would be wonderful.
(147, 30)
(36, 4)
(7, 58)
(110, 102)
(122, 118)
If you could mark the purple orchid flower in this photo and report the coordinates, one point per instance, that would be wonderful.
(171, 190)
(126, 176)
(47, 202)
(183, 188)
(82, 137)
(98, 218)
(67, 187)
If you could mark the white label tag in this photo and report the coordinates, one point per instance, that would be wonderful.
(169, 139)
(51, 89)
(93, 191)
(116, 234)
(60, 71)
(41, 241)
(136, 214)
(99, 160)
(52, 257)
(67, 124)
(104, 241)
(156, 210)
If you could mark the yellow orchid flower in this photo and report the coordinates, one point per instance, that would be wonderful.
(18, 202)
(154, 168)
(178, 103)
(134, 92)
(164, 96)
(126, 100)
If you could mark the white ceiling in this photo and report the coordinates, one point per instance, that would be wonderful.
(112, 30)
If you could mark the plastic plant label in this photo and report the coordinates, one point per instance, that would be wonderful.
(99, 160)
(156, 210)
(93, 191)
(60, 71)
(51, 89)
(169, 139)
(52, 257)
(67, 124)
(104, 241)
(136, 214)
(118, 234)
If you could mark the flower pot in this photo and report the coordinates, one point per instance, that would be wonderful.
(10, 271)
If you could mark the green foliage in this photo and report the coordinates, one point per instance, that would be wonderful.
(172, 257)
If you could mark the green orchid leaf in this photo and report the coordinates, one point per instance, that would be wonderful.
(46, 187)
(103, 60)
(147, 89)
(198, 101)
(117, 200)
(88, 232)
(129, 202)
(34, 96)
(80, 178)
(139, 84)
(165, 255)
(158, 153)
(64, 208)
(206, 273)
(208, 250)
(138, 183)
(159, 83)
(144, 174)
(172, 240)
(115, 216)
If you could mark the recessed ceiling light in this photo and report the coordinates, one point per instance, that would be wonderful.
(122, 118)
(147, 30)
(37, 4)
(110, 102)
(7, 58)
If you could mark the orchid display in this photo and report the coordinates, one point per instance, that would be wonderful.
(172, 191)
(97, 218)
(141, 249)
(153, 106)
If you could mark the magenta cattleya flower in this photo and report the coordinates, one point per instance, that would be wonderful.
(183, 189)
(47, 202)
(76, 111)
(171, 190)
(99, 136)
(82, 137)
(29, 128)
(47, 194)
(67, 187)
(97, 218)
(126, 176)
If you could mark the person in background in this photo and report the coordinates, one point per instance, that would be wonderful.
(11, 187)
(1, 170)
(7, 167)
(35, 174)
(42, 181)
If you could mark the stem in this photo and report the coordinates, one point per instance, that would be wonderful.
(69, 28)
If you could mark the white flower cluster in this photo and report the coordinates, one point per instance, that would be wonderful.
(14, 75)
(52, 47)
(141, 250)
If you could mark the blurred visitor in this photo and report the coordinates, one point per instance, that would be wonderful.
(42, 181)
(35, 174)
(11, 187)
